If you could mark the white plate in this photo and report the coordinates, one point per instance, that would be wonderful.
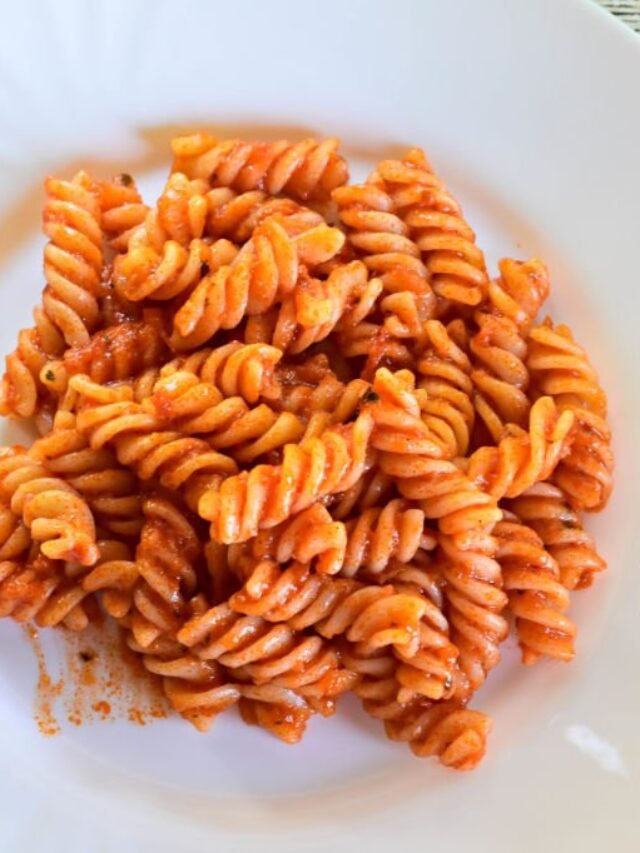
(530, 111)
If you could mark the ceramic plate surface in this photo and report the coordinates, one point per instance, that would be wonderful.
(529, 110)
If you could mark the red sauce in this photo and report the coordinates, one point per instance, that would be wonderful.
(101, 680)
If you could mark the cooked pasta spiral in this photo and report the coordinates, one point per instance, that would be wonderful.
(111, 491)
(465, 514)
(448, 730)
(378, 535)
(122, 210)
(195, 407)
(310, 537)
(476, 600)
(198, 690)
(183, 208)
(501, 381)
(318, 307)
(113, 578)
(69, 311)
(546, 510)
(374, 229)
(522, 459)
(375, 615)
(442, 728)
(268, 494)
(236, 370)
(444, 374)
(537, 598)
(374, 342)
(144, 272)
(165, 559)
(411, 453)
(447, 242)
(264, 654)
(561, 369)
(364, 545)
(303, 170)
(55, 514)
(179, 462)
(264, 272)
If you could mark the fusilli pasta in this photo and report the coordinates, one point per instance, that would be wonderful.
(295, 442)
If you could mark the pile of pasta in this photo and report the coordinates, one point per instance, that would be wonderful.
(296, 441)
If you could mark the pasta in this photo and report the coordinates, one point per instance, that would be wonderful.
(561, 369)
(500, 345)
(444, 238)
(73, 260)
(307, 169)
(295, 442)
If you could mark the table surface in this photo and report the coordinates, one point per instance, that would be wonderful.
(627, 10)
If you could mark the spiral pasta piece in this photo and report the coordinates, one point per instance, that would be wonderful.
(365, 545)
(465, 514)
(194, 407)
(433, 671)
(436, 225)
(265, 271)
(448, 730)
(560, 368)
(274, 658)
(371, 616)
(277, 709)
(545, 508)
(522, 459)
(268, 494)
(312, 395)
(123, 210)
(444, 374)
(302, 170)
(111, 491)
(169, 270)
(69, 311)
(476, 601)
(375, 615)
(376, 232)
(395, 531)
(235, 369)
(180, 462)
(113, 354)
(50, 508)
(183, 208)
(501, 378)
(537, 598)
(413, 454)
(198, 690)
(165, 558)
